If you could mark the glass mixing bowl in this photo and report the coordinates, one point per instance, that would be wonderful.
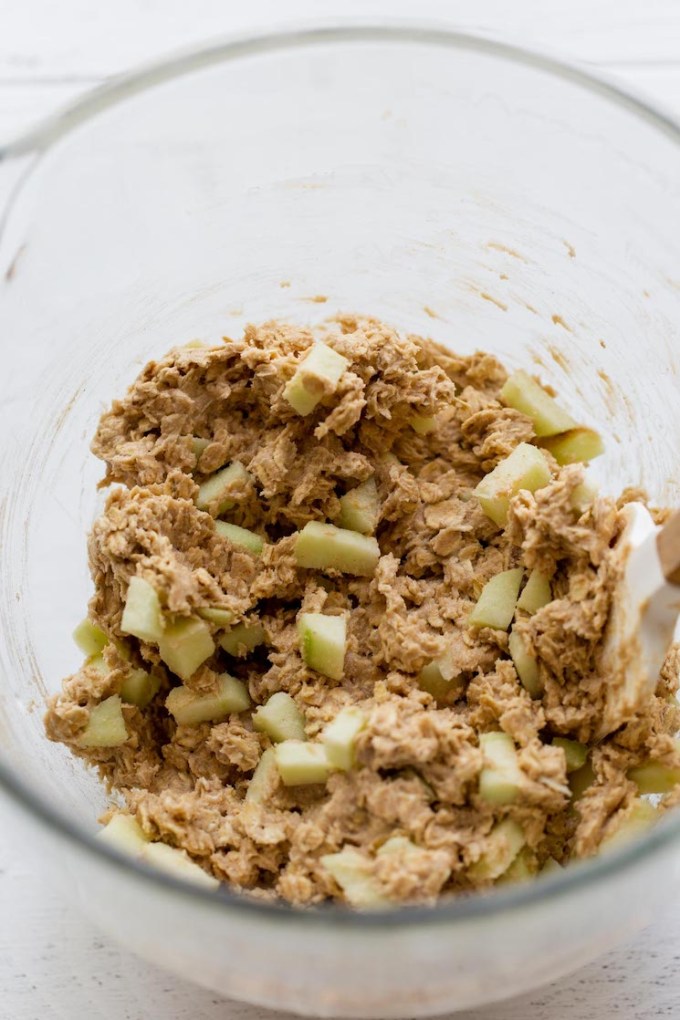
(455, 187)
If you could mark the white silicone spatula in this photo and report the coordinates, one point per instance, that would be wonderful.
(645, 609)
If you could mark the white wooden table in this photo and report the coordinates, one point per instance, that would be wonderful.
(53, 964)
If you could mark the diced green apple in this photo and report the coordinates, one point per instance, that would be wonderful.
(423, 425)
(525, 664)
(242, 639)
(635, 822)
(139, 688)
(582, 496)
(264, 779)
(142, 615)
(124, 833)
(536, 593)
(521, 870)
(525, 468)
(322, 368)
(551, 867)
(97, 662)
(198, 445)
(581, 780)
(431, 680)
(528, 396)
(496, 604)
(106, 726)
(439, 678)
(654, 777)
(324, 547)
(301, 763)
(177, 863)
(578, 445)
(353, 872)
(122, 647)
(360, 508)
(216, 493)
(90, 638)
(185, 645)
(190, 708)
(220, 617)
(501, 776)
(575, 753)
(280, 719)
(323, 640)
(397, 845)
(504, 842)
(241, 537)
(340, 736)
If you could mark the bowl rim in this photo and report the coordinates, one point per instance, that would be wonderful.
(343, 30)
(38, 141)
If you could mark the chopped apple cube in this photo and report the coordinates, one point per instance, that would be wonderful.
(423, 425)
(501, 777)
(139, 688)
(576, 446)
(124, 833)
(396, 845)
(321, 369)
(264, 779)
(340, 737)
(240, 536)
(581, 780)
(216, 494)
(241, 640)
(280, 719)
(353, 872)
(177, 863)
(431, 680)
(440, 679)
(551, 867)
(528, 396)
(220, 617)
(654, 777)
(635, 822)
(525, 468)
(583, 496)
(575, 753)
(97, 662)
(122, 647)
(190, 708)
(360, 508)
(525, 664)
(496, 605)
(142, 615)
(522, 868)
(323, 640)
(301, 763)
(90, 638)
(536, 593)
(106, 726)
(198, 445)
(504, 842)
(185, 645)
(324, 547)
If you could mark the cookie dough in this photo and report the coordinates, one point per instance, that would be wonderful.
(324, 661)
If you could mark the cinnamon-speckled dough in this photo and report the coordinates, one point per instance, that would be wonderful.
(418, 761)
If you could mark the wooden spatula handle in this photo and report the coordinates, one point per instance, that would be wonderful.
(668, 544)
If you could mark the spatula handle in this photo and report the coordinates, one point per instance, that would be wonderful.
(668, 544)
